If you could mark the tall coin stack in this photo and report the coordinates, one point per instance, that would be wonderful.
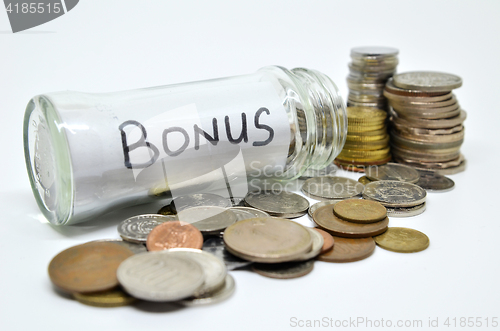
(426, 121)
(367, 141)
(370, 69)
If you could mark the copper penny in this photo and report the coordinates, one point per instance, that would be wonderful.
(174, 234)
(349, 250)
(360, 211)
(328, 221)
(90, 267)
(328, 240)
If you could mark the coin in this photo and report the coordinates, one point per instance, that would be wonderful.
(136, 229)
(431, 181)
(402, 240)
(90, 267)
(317, 245)
(393, 171)
(405, 211)
(392, 193)
(111, 298)
(208, 219)
(220, 295)
(428, 81)
(320, 204)
(166, 210)
(351, 153)
(349, 250)
(214, 269)
(328, 241)
(243, 213)
(135, 248)
(429, 123)
(364, 180)
(175, 234)
(326, 219)
(360, 211)
(217, 247)
(321, 188)
(267, 240)
(282, 204)
(157, 276)
(284, 270)
(365, 115)
(199, 199)
(374, 51)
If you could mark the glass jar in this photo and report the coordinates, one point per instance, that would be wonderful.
(87, 154)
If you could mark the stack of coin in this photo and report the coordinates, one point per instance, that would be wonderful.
(367, 141)
(426, 121)
(369, 70)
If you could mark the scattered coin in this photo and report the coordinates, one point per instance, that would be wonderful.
(157, 276)
(326, 219)
(286, 270)
(243, 213)
(321, 188)
(317, 245)
(268, 240)
(393, 171)
(328, 240)
(349, 250)
(136, 229)
(402, 240)
(174, 234)
(217, 247)
(392, 193)
(199, 199)
(431, 181)
(279, 204)
(208, 219)
(405, 211)
(360, 211)
(90, 267)
(220, 295)
(135, 248)
(111, 298)
(214, 269)
(320, 204)
(364, 180)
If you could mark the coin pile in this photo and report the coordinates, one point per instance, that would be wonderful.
(426, 121)
(370, 68)
(367, 141)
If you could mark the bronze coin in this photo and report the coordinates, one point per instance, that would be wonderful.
(360, 211)
(285, 270)
(328, 240)
(328, 221)
(349, 250)
(90, 267)
(174, 234)
(364, 180)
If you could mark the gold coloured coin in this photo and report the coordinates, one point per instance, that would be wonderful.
(355, 138)
(356, 127)
(364, 180)
(360, 211)
(370, 155)
(113, 298)
(368, 145)
(402, 240)
(365, 115)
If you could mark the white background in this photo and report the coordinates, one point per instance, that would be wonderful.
(104, 46)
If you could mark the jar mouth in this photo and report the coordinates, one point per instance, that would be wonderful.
(48, 160)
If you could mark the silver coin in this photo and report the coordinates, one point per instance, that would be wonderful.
(217, 247)
(432, 181)
(317, 245)
(220, 295)
(136, 229)
(392, 171)
(428, 81)
(393, 193)
(374, 51)
(214, 269)
(279, 204)
(317, 205)
(199, 199)
(243, 213)
(135, 248)
(208, 219)
(285, 270)
(326, 188)
(405, 211)
(156, 276)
